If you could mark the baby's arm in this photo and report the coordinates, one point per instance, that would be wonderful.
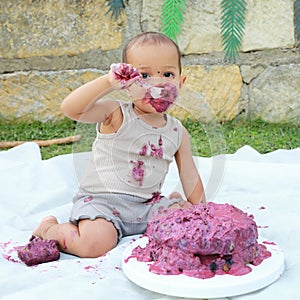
(188, 173)
(83, 105)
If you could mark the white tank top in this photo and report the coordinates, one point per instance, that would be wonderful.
(135, 159)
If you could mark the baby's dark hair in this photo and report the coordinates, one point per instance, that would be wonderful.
(150, 37)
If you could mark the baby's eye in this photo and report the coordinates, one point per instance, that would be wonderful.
(145, 75)
(169, 75)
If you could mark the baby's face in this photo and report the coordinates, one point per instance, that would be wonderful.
(158, 65)
(155, 60)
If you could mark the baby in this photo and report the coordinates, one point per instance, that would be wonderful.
(136, 141)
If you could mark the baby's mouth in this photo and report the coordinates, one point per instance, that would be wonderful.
(160, 105)
(166, 98)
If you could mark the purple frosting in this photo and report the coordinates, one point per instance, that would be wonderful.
(202, 241)
(39, 251)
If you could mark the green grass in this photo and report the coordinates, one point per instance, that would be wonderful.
(207, 139)
(230, 136)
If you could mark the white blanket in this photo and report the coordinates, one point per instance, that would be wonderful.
(268, 186)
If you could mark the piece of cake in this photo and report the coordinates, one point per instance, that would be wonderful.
(38, 251)
(202, 241)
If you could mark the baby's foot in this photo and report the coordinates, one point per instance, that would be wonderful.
(44, 225)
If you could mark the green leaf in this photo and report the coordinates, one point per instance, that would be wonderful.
(172, 17)
(115, 8)
(233, 14)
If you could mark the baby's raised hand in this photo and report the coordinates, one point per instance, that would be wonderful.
(122, 75)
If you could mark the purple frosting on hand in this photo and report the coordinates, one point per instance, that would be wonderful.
(125, 73)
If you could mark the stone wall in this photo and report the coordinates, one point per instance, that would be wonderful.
(50, 47)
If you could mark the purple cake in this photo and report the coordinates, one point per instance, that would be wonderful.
(202, 241)
(39, 251)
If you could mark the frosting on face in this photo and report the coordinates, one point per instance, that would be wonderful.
(161, 96)
(202, 241)
(166, 98)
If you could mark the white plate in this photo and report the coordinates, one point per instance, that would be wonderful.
(218, 286)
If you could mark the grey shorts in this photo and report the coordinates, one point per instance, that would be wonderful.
(128, 213)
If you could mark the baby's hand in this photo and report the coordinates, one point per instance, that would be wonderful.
(122, 75)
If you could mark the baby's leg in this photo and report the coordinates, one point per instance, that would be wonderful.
(88, 239)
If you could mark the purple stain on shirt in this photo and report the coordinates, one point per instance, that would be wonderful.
(157, 151)
(160, 141)
(143, 151)
(138, 171)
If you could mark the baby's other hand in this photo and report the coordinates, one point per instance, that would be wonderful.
(122, 75)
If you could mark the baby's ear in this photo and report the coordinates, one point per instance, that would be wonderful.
(182, 81)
